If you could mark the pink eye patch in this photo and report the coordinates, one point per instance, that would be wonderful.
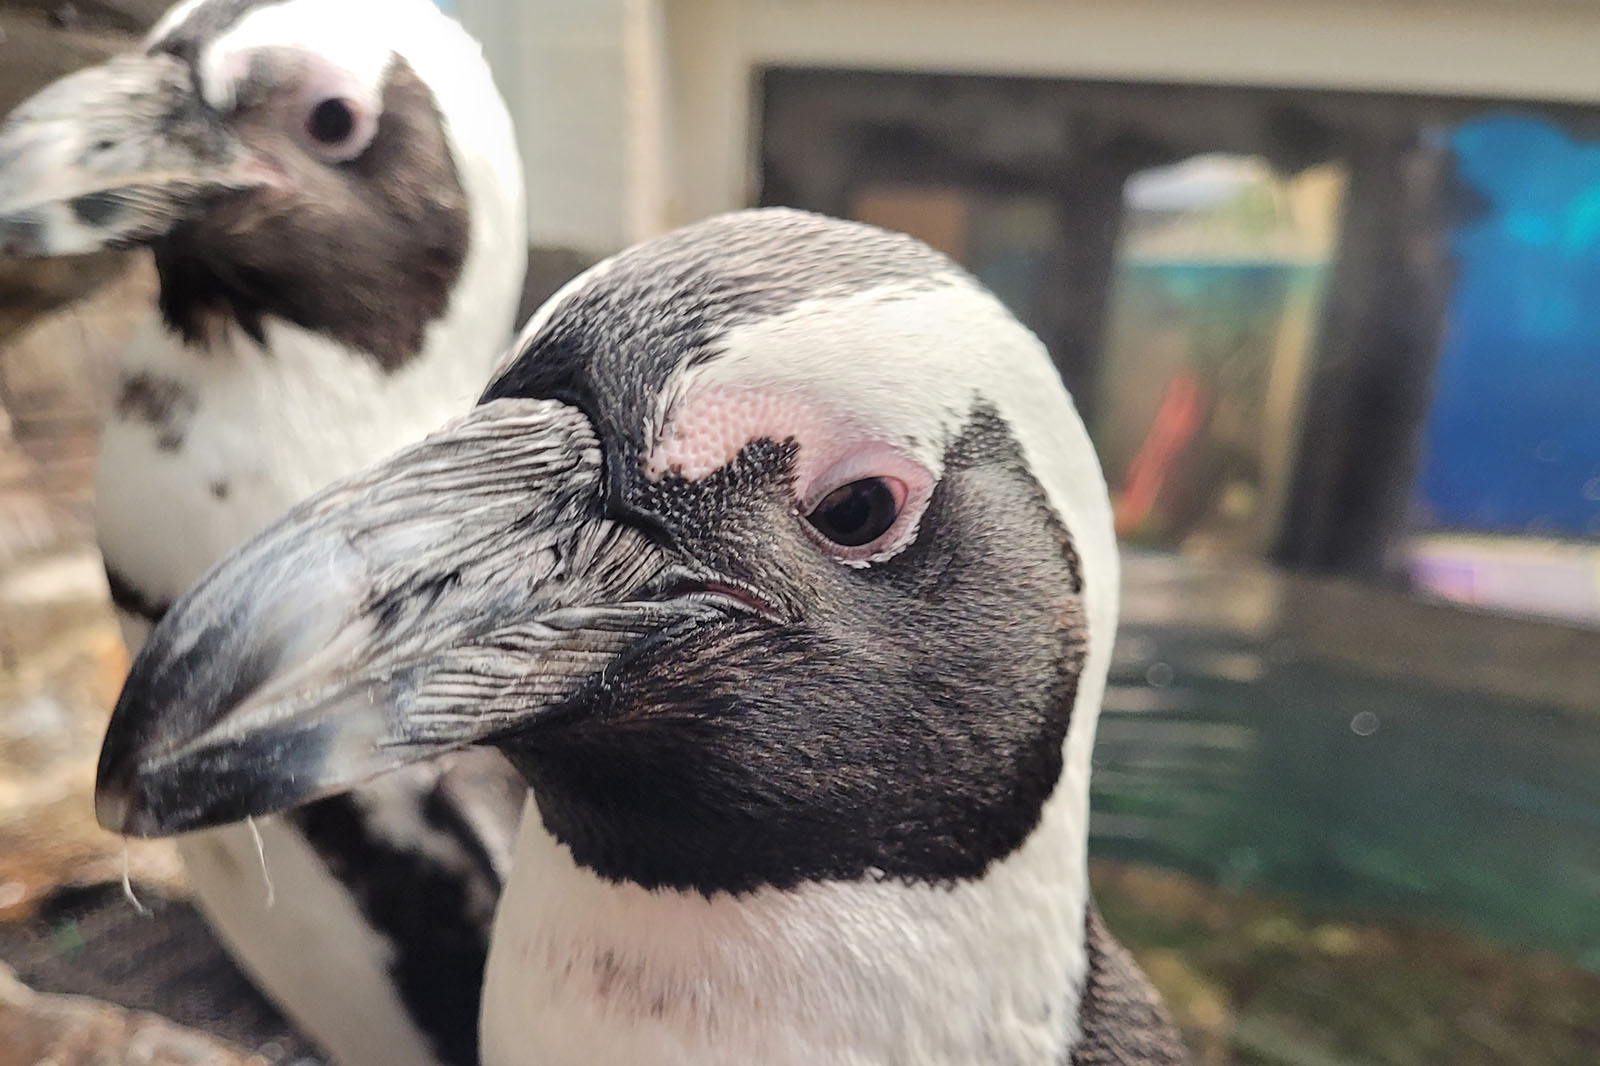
(709, 428)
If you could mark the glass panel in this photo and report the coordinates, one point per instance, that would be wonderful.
(1005, 240)
(1218, 285)
(1507, 506)
(1335, 821)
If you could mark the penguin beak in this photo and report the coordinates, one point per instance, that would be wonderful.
(113, 156)
(461, 592)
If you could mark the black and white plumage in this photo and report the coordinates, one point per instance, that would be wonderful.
(333, 198)
(780, 564)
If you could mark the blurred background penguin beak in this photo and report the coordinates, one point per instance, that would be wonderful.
(112, 156)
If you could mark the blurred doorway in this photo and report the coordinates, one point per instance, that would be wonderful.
(1217, 295)
(1506, 506)
(1286, 314)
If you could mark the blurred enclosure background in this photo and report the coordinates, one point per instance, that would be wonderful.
(1325, 281)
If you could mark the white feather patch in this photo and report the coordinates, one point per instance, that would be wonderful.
(587, 971)
(866, 972)
(272, 425)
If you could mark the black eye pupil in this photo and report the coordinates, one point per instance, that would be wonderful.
(856, 514)
(331, 122)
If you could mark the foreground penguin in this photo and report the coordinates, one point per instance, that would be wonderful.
(333, 199)
(780, 564)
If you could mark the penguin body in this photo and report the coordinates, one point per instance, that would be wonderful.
(778, 562)
(332, 195)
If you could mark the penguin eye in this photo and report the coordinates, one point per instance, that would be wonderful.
(859, 512)
(338, 129)
(331, 123)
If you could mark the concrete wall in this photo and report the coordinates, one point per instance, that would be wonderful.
(638, 115)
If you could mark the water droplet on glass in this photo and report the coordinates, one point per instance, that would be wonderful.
(1159, 675)
(1239, 868)
(1548, 451)
(1142, 647)
(1364, 724)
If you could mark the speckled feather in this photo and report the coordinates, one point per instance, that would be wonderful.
(287, 352)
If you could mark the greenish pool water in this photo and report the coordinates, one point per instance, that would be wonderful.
(1323, 864)
(1387, 797)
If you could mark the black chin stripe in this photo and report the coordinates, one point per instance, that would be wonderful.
(1120, 1017)
(435, 918)
(130, 599)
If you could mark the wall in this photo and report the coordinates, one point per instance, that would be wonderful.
(638, 115)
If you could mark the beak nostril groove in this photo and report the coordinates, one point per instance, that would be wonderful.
(736, 594)
(97, 208)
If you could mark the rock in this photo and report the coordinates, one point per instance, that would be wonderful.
(78, 1031)
(125, 16)
(34, 53)
(32, 288)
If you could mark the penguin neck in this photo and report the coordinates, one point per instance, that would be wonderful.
(582, 969)
(230, 431)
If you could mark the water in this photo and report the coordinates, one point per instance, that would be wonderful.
(1245, 759)
(1251, 761)
(1484, 814)
(1342, 827)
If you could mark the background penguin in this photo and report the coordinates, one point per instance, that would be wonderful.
(780, 564)
(333, 198)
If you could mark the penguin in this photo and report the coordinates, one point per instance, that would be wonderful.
(778, 561)
(332, 196)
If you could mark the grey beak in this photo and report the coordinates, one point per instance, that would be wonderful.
(452, 595)
(113, 156)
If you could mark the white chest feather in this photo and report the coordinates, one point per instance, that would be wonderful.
(309, 947)
(206, 448)
(584, 971)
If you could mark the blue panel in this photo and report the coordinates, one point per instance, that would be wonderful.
(1513, 442)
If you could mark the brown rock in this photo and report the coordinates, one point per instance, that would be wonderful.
(34, 53)
(78, 1031)
(128, 16)
(32, 288)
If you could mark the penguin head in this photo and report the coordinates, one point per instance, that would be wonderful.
(332, 163)
(775, 552)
